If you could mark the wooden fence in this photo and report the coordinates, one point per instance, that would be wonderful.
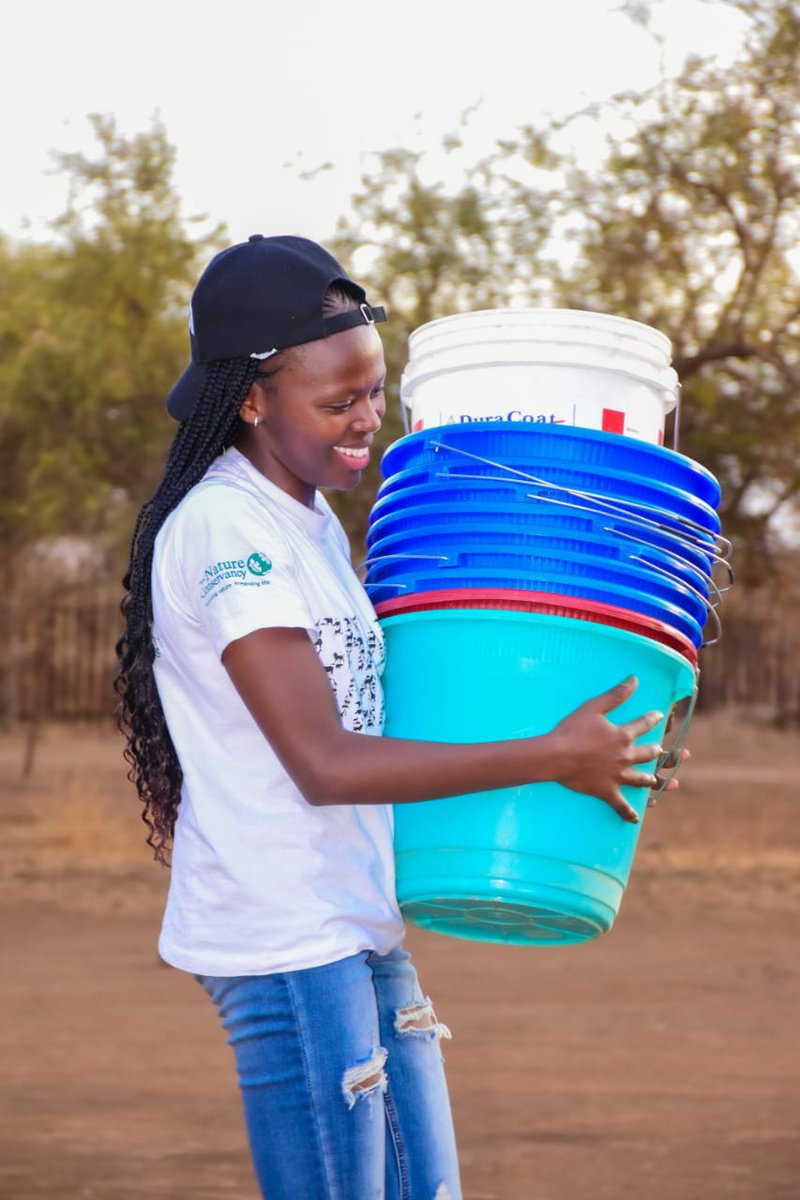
(57, 657)
(756, 663)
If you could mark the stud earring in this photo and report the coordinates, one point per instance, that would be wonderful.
(255, 423)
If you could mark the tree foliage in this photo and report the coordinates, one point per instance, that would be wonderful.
(693, 227)
(690, 223)
(92, 334)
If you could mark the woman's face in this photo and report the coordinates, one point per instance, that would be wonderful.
(318, 414)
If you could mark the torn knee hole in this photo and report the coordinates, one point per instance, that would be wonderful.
(420, 1019)
(364, 1078)
(364, 1085)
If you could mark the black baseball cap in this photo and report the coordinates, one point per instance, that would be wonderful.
(258, 297)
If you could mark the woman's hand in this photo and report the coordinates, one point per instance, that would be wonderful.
(600, 756)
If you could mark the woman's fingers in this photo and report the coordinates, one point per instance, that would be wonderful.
(621, 806)
(672, 758)
(612, 698)
(640, 779)
(615, 751)
(643, 724)
(646, 752)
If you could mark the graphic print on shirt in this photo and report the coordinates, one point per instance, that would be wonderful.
(353, 666)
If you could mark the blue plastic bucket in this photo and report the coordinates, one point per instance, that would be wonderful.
(697, 555)
(572, 482)
(509, 442)
(602, 496)
(615, 580)
(555, 583)
(419, 519)
(450, 543)
(536, 864)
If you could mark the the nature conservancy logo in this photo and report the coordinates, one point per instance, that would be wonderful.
(228, 572)
(258, 564)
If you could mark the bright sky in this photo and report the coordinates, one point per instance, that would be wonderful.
(252, 94)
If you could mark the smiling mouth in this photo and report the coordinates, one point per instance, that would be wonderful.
(355, 453)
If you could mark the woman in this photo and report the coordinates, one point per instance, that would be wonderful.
(250, 686)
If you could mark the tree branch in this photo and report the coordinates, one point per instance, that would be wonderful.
(690, 364)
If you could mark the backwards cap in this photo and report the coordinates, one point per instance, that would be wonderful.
(258, 297)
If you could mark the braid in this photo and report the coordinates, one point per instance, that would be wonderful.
(154, 768)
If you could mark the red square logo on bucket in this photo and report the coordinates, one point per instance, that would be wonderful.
(613, 420)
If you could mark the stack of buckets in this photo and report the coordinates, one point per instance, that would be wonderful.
(532, 544)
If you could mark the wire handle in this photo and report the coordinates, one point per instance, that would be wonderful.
(701, 530)
(709, 608)
(368, 562)
(672, 755)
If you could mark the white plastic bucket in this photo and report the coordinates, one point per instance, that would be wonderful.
(557, 365)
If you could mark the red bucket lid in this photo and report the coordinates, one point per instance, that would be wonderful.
(554, 604)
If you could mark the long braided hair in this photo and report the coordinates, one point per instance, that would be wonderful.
(214, 425)
(153, 764)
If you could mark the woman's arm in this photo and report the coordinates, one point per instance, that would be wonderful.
(279, 677)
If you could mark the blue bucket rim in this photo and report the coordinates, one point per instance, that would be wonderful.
(611, 474)
(671, 594)
(662, 610)
(575, 432)
(446, 530)
(421, 517)
(514, 532)
(409, 493)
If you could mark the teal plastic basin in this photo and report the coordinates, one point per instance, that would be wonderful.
(536, 864)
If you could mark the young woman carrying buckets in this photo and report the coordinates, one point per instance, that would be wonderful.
(250, 693)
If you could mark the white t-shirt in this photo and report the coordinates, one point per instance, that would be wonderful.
(261, 880)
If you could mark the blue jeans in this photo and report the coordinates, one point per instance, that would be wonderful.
(342, 1081)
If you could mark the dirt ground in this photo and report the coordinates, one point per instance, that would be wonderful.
(660, 1062)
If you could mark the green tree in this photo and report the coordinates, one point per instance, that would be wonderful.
(690, 223)
(93, 334)
(693, 226)
(23, 329)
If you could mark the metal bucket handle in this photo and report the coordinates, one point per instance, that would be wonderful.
(605, 508)
(705, 575)
(401, 587)
(671, 756)
(676, 560)
(368, 562)
(558, 487)
(710, 608)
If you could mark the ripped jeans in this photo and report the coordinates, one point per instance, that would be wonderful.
(342, 1081)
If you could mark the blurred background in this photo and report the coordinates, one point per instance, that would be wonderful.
(637, 157)
(631, 158)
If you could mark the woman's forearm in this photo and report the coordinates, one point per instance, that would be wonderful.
(279, 678)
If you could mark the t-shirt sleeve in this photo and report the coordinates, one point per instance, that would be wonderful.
(235, 568)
